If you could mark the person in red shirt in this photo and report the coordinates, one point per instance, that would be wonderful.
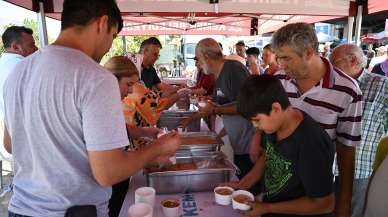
(205, 83)
(269, 59)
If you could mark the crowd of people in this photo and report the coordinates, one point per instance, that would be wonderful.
(308, 131)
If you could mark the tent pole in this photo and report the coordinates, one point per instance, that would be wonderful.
(124, 45)
(349, 29)
(42, 26)
(357, 31)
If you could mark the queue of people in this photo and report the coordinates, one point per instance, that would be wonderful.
(304, 129)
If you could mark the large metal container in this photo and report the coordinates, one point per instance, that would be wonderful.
(172, 118)
(201, 142)
(200, 179)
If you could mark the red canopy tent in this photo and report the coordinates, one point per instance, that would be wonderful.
(174, 16)
(225, 17)
(375, 37)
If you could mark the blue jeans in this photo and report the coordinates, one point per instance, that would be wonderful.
(11, 214)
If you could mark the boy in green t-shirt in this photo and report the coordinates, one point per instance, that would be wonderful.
(297, 155)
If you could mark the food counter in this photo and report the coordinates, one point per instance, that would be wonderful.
(192, 203)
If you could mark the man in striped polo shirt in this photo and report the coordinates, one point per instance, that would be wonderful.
(351, 60)
(331, 97)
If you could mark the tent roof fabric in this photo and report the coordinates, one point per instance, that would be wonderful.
(203, 7)
(377, 6)
(300, 7)
(271, 14)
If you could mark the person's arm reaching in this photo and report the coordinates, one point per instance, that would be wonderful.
(136, 132)
(168, 101)
(167, 89)
(301, 206)
(105, 136)
(112, 166)
(212, 108)
(252, 177)
(255, 149)
(230, 109)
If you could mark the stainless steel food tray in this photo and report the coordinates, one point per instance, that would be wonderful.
(172, 118)
(201, 179)
(200, 146)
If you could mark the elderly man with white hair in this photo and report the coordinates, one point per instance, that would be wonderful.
(381, 55)
(350, 59)
(230, 76)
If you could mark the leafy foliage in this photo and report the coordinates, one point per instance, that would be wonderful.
(133, 45)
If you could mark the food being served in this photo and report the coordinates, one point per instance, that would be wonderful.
(173, 167)
(198, 140)
(224, 191)
(170, 203)
(241, 198)
(181, 166)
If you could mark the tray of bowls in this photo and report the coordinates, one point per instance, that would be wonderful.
(199, 142)
(197, 171)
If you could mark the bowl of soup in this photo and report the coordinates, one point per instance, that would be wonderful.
(171, 207)
(223, 195)
(241, 198)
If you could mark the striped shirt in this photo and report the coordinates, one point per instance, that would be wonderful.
(374, 121)
(335, 103)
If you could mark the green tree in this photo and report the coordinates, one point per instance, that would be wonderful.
(133, 45)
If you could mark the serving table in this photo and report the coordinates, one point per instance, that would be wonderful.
(192, 203)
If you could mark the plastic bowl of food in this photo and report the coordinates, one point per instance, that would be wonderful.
(223, 195)
(240, 199)
(171, 207)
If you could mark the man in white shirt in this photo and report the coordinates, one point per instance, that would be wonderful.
(18, 43)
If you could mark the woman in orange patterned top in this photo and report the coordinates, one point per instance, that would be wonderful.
(141, 106)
